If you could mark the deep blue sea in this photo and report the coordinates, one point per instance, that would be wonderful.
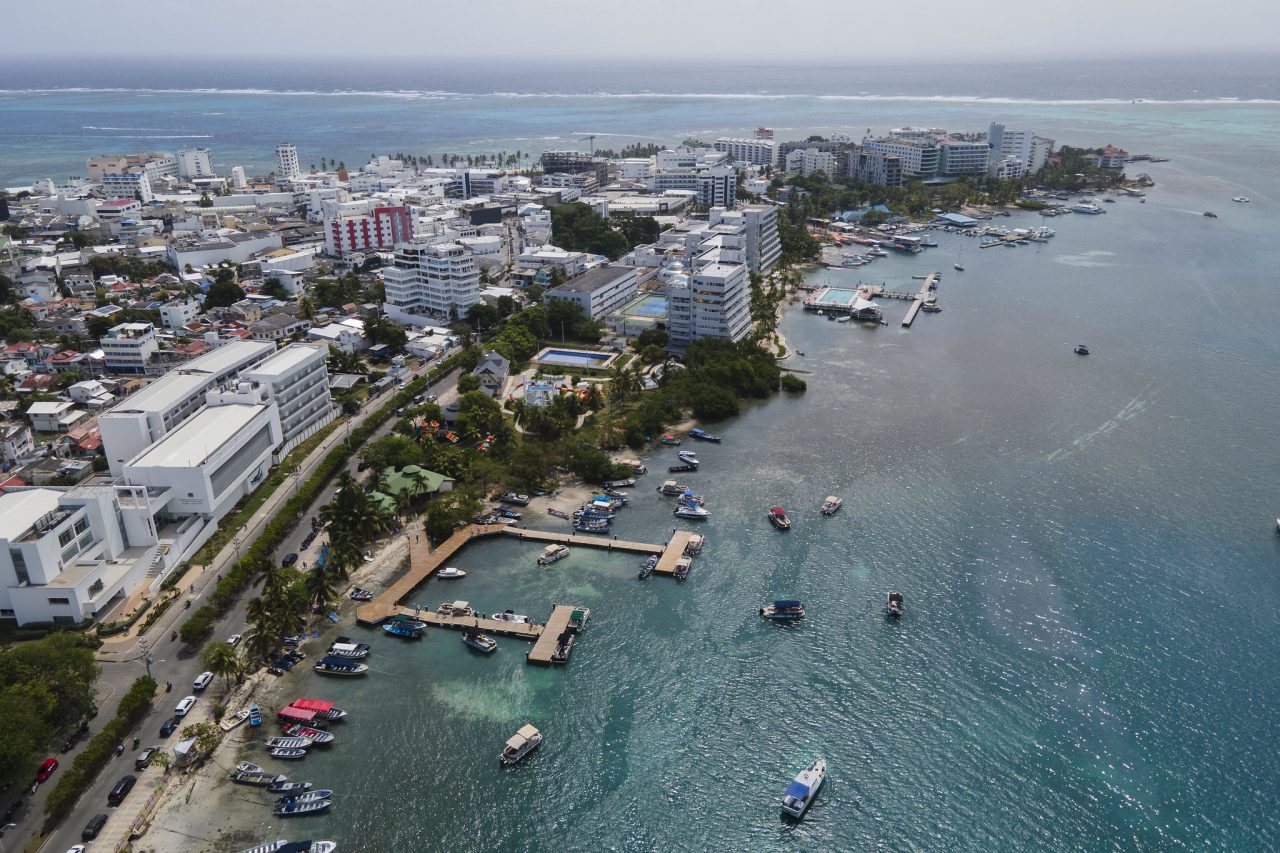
(1087, 546)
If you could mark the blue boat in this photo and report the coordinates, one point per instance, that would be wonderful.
(396, 629)
(255, 715)
(704, 436)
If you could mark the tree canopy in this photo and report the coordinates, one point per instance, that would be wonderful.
(578, 228)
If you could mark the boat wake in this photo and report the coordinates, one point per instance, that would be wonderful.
(1130, 411)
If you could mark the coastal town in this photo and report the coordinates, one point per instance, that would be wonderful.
(240, 410)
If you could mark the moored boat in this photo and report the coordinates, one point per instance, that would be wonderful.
(512, 617)
(293, 809)
(247, 767)
(802, 791)
(451, 572)
(647, 567)
(233, 720)
(289, 752)
(783, 610)
(523, 742)
(480, 642)
(339, 666)
(578, 619)
(831, 505)
(894, 604)
(258, 778)
(324, 710)
(396, 629)
(700, 435)
(456, 608)
(255, 716)
(693, 513)
(684, 565)
(307, 796)
(551, 553)
(619, 484)
(289, 787)
(591, 525)
(671, 441)
(695, 545)
(778, 518)
(514, 498)
(294, 742)
(671, 487)
(689, 458)
(349, 650)
(360, 594)
(314, 735)
(1081, 349)
(564, 645)
(283, 846)
(558, 513)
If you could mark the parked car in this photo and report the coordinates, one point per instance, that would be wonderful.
(144, 757)
(79, 848)
(121, 790)
(233, 640)
(93, 827)
(170, 726)
(289, 559)
(46, 769)
(184, 707)
(202, 681)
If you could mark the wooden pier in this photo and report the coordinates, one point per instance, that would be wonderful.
(520, 630)
(912, 312)
(540, 654)
(673, 551)
(585, 540)
(918, 299)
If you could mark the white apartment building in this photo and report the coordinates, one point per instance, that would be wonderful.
(128, 347)
(759, 224)
(806, 161)
(287, 162)
(238, 179)
(178, 313)
(958, 157)
(430, 281)
(131, 185)
(195, 163)
(918, 159)
(753, 152)
(718, 187)
(712, 302)
(599, 291)
(874, 168)
(297, 382)
(635, 168)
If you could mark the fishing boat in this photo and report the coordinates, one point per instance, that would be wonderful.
(451, 572)
(671, 487)
(247, 767)
(843, 318)
(287, 752)
(512, 617)
(647, 567)
(578, 619)
(292, 809)
(283, 846)
(802, 791)
(783, 610)
(509, 513)
(339, 666)
(831, 505)
(684, 565)
(694, 545)
(671, 441)
(259, 778)
(255, 716)
(592, 514)
(289, 787)
(682, 469)
(1240, 199)
(1081, 349)
(701, 435)
(551, 553)
(407, 632)
(894, 604)
(1211, 214)
(295, 742)
(349, 650)
(558, 513)
(234, 720)
(591, 525)
(307, 797)
(693, 513)
(523, 742)
(514, 498)
(316, 736)
(322, 709)
(619, 484)
(360, 594)
(688, 457)
(778, 518)
(480, 642)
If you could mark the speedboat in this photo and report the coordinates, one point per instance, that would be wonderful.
(783, 610)
(802, 791)
(292, 809)
(307, 797)
(288, 752)
(647, 567)
(349, 650)
(695, 513)
(510, 616)
(402, 630)
(1241, 199)
(688, 457)
(671, 440)
(1081, 349)
(960, 267)
(551, 553)
(340, 666)
(296, 742)
(289, 787)
(700, 435)
(451, 572)
(1211, 214)
(314, 735)
(831, 505)
(893, 604)
(778, 518)
(283, 846)
(360, 594)
(514, 498)
(480, 642)
(523, 742)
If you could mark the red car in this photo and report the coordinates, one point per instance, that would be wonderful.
(46, 769)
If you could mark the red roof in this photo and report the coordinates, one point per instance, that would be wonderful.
(313, 704)
(13, 481)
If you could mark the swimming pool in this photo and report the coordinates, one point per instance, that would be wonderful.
(837, 296)
(647, 306)
(592, 359)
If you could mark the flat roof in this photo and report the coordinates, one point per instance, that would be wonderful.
(226, 356)
(595, 279)
(189, 378)
(195, 441)
(20, 509)
(286, 359)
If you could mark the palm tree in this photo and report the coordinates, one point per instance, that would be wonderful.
(319, 585)
(222, 660)
(271, 575)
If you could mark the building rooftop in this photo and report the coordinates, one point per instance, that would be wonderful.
(191, 444)
(286, 359)
(21, 509)
(596, 279)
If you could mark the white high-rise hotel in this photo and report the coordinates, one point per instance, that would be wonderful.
(286, 161)
(430, 282)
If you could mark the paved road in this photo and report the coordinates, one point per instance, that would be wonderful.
(124, 662)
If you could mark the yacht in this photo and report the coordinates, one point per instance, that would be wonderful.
(1081, 349)
(480, 642)
(671, 487)
(695, 513)
(1087, 207)
(551, 553)
(510, 616)
(831, 505)
(802, 791)
(451, 572)
(783, 610)
(778, 518)
(894, 604)
(523, 742)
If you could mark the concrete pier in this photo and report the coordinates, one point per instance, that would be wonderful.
(540, 654)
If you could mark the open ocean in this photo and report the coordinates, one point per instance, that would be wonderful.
(1087, 546)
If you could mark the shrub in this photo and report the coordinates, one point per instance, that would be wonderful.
(793, 383)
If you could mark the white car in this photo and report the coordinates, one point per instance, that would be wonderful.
(233, 640)
(184, 707)
(202, 681)
(79, 848)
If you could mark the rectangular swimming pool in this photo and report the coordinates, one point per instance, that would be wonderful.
(648, 306)
(575, 358)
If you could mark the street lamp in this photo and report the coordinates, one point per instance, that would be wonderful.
(3, 830)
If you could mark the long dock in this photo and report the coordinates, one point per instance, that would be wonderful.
(674, 551)
(586, 540)
(919, 299)
(520, 630)
(540, 654)
(912, 312)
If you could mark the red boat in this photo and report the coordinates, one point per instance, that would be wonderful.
(778, 518)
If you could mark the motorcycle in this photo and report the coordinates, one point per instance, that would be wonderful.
(136, 741)
(173, 635)
(168, 687)
(188, 604)
(120, 748)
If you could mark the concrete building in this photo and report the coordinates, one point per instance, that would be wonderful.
(381, 228)
(207, 250)
(195, 163)
(961, 157)
(129, 185)
(129, 347)
(430, 281)
(718, 187)
(806, 161)
(339, 336)
(15, 443)
(600, 290)
(712, 302)
(919, 159)
(178, 313)
(759, 223)
(297, 382)
(287, 162)
(54, 416)
(278, 327)
(873, 168)
(749, 152)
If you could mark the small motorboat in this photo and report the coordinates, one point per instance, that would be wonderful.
(451, 572)
(1211, 214)
(622, 484)
(695, 545)
(647, 567)
(831, 505)
(289, 787)
(523, 742)
(292, 809)
(701, 435)
(1081, 349)
(688, 457)
(843, 318)
(684, 565)
(509, 513)
(295, 742)
(778, 518)
(324, 711)
(247, 767)
(510, 616)
(285, 846)
(314, 735)
(564, 645)
(255, 716)
(457, 608)
(354, 651)
(361, 594)
(783, 610)
(233, 720)
(1240, 199)
(591, 525)
(340, 666)
(800, 352)
(480, 642)
(404, 631)
(693, 513)
(893, 604)
(959, 267)
(259, 778)
(686, 468)
(514, 498)
(307, 797)
(558, 513)
(551, 553)
(287, 752)
(802, 791)
(671, 441)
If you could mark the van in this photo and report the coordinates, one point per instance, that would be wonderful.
(184, 706)
(93, 827)
(121, 790)
(202, 681)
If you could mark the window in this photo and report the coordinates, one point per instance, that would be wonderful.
(66, 536)
(82, 525)
(59, 600)
(19, 565)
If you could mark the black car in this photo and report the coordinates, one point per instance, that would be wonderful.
(170, 726)
(93, 827)
(289, 559)
(121, 790)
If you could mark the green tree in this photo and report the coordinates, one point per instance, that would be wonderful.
(468, 383)
(224, 291)
(222, 660)
(320, 587)
(578, 228)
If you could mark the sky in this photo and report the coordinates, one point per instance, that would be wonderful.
(903, 31)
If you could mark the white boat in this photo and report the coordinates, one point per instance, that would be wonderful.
(783, 610)
(831, 505)
(695, 545)
(551, 553)
(283, 845)
(230, 722)
(287, 752)
(843, 318)
(248, 767)
(451, 572)
(510, 616)
(802, 791)
(520, 744)
(349, 650)
(684, 565)
(297, 742)
(1240, 199)
(694, 513)
(894, 604)
(307, 796)
(688, 457)
(1087, 207)
(480, 642)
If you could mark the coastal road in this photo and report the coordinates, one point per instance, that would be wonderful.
(123, 662)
